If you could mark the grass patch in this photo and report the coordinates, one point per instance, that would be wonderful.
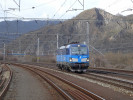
(113, 60)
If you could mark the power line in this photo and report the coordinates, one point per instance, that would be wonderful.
(59, 8)
(112, 4)
(15, 15)
(129, 9)
(18, 4)
(82, 4)
(24, 18)
(71, 6)
(68, 9)
(1, 7)
(115, 2)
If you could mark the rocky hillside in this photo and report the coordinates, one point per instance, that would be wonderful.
(107, 32)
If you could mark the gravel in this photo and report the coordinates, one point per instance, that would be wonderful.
(109, 92)
(27, 86)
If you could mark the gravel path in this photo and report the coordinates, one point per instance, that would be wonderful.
(27, 86)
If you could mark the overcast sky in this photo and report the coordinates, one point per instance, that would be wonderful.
(60, 9)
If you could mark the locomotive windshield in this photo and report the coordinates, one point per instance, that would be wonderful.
(79, 50)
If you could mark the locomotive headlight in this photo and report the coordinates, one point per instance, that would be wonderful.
(70, 59)
(87, 60)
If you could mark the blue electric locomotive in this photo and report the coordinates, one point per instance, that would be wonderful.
(73, 57)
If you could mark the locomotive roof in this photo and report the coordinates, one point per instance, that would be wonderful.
(67, 46)
(62, 47)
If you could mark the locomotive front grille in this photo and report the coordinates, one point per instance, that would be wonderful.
(74, 59)
(83, 59)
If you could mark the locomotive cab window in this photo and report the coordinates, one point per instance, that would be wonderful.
(74, 51)
(83, 50)
(79, 50)
(67, 51)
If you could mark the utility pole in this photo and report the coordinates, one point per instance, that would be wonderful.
(38, 45)
(4, 56)
(87, 33)
(83, 4)
(19, 46)
(57, 40)
(12, 52)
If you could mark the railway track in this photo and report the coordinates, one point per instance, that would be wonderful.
(5, 79)
(66, 88)
(100, 74)
(119, 82)
(112, 71)
(118, 72)
(118, 78)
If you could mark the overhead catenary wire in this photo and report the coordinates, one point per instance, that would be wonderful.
(1, 7)
(20, 17)
(48, 2)
(68, 9)
(113, 4)
(76, 19)
(82, 4)
(59, 8)
(71, 6)
(18, 4)
(129, 9)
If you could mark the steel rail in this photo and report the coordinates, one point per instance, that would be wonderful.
(114, 79)
(90, 94)
(130, 72)
(6, 83)
(2, 83)
(62, 92)
(80, 95)
(105, 79)
(1, 70)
